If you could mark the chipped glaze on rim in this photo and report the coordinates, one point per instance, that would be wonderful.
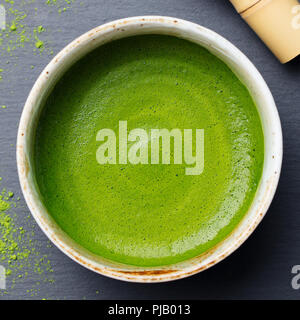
(217, 45)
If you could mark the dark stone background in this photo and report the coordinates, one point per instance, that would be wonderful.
(261, 268)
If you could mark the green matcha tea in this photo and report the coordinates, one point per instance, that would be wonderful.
(151, 212)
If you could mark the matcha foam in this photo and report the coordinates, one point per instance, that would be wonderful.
(148, 215)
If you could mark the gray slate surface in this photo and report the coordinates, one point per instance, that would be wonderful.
(261, 268)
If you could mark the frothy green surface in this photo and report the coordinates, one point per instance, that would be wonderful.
(148, 215)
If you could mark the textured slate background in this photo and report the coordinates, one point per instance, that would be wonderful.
(261, 268)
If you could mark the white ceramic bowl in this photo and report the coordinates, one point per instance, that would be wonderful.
(217, 45)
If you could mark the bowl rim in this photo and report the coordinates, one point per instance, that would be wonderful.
(220, 47)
